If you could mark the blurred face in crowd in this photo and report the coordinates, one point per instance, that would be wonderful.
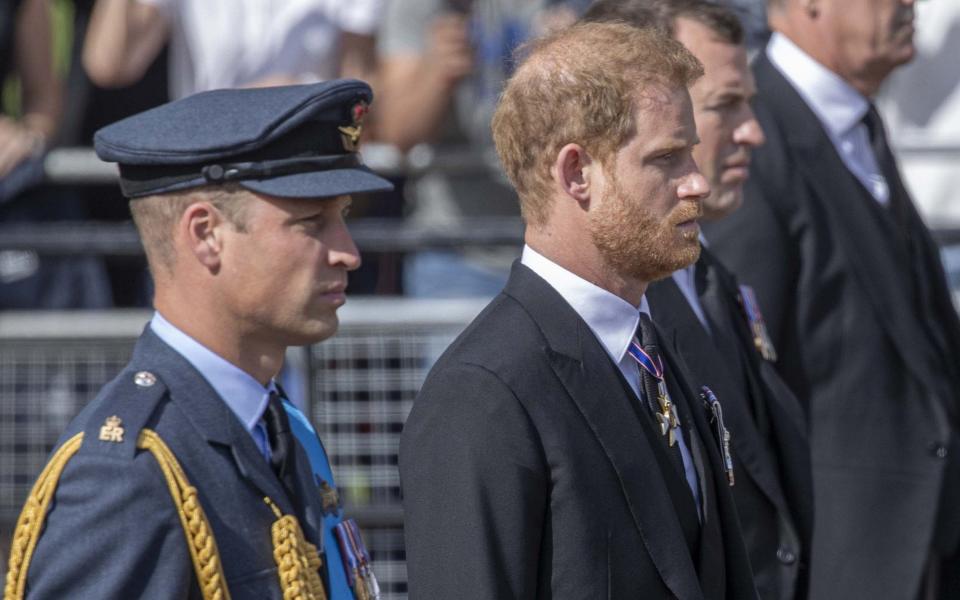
(869, 38)
(645, 222)
(288, 268)
(726, 124)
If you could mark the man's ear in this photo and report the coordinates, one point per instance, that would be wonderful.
(201, 228)
(573, 171)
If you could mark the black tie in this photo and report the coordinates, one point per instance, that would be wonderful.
(888, 166)
(700, 276)
(878, 136)
(648, 341)
(280, 438)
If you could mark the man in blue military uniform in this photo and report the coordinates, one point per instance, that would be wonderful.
(182, 478)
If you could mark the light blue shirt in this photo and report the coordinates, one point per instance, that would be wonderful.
(245, 396)
(684, 279)
(614, 321)
(838, 106)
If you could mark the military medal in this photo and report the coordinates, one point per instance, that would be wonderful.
(758, 327)
(667, 415)
(723, 434)
(356, 561)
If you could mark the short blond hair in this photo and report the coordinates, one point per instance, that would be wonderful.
(157, 216)
(579, 85)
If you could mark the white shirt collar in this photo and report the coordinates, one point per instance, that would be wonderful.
(686, 277)
(836, 103)
(686, 280)
(611, 318)
(245, 396)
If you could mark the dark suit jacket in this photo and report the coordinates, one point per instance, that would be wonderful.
(528, 470)
(856, 343)
(113, 531)
(774, 489)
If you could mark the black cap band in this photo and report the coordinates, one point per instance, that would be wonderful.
(275, 168)
(136, 181)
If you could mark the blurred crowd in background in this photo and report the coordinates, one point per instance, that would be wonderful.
(72, 66)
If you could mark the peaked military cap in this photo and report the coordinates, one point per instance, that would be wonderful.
(297, 141)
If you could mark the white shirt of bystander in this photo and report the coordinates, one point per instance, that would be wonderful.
(233, 43)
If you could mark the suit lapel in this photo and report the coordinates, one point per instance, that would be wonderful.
(737, 571)
(846, 203)
(591, 380)
(213, 419)
(696, 419)
(785, 415)
(699, 350)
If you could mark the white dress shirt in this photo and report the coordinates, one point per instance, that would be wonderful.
(685, 280)
(614, 321)
(839, 107)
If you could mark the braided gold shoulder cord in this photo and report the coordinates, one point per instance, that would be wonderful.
(196, 528)
(298, 562)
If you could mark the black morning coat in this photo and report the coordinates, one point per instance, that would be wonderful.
(774, 489)
(531, 470)
(857, 304)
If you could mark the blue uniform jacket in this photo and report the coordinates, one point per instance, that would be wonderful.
(113, 530)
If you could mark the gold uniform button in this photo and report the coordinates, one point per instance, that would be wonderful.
(145, 379)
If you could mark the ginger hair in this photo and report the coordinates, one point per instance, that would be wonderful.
(579, 85)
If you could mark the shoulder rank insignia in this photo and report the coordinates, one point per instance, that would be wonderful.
(111, 430)
(351, 133)
(758, 327)
(329, 497)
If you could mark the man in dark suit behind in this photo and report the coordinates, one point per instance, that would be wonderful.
(702, 304)
(855, 299)
(540, 460)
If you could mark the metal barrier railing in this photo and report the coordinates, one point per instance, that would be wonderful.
(80, 166)
(371, 235)
(360, 388)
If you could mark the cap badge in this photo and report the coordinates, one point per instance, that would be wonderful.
(351, 134)
(111, 430)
